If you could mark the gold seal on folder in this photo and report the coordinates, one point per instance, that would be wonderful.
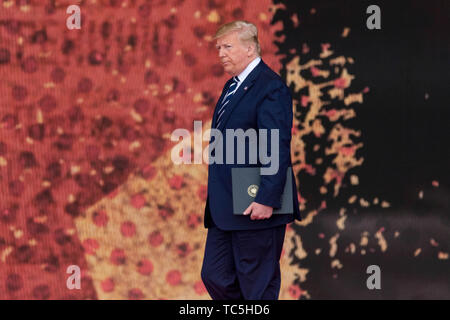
(252, 190)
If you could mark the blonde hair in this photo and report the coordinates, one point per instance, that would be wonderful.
(247, 32)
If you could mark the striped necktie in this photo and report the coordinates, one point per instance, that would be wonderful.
(231, 90)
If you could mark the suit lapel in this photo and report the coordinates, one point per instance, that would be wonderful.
(239, 94)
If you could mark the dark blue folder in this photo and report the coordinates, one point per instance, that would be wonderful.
(245, 183)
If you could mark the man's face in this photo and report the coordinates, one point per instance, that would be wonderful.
(233, 54)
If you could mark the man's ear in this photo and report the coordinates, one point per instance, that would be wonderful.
(250, 49)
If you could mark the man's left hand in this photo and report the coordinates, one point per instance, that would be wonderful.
(258, 211)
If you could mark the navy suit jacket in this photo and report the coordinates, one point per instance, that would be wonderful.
(262, 101)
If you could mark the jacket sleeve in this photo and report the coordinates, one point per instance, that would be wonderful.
(275, 112)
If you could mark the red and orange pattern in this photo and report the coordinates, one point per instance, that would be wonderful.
(85, 120)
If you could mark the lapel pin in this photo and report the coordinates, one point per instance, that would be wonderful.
(245, 88)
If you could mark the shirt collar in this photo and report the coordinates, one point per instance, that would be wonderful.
(252, 65)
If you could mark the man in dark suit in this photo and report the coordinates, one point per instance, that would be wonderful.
(242, 252)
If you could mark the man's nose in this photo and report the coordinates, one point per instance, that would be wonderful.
(221, 53)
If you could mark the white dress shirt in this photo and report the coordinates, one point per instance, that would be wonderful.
(252, 65)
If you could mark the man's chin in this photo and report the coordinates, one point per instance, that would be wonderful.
(229, 71)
